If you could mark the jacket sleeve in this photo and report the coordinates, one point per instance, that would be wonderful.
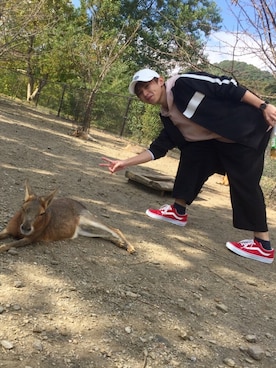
(161, 145)
(211, 86)
(169, 138)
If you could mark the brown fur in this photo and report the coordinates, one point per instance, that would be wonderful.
(47, 219)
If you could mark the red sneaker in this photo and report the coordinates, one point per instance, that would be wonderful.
(251, 249)
(168, 213)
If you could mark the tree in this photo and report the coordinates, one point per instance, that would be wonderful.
(143, 33)
(171, 32)
(26, 42)
(255, 32)
(257, 19)
(50, 40)
(108, 40)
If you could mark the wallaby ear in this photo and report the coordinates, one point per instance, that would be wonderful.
(47, 200)
(28, 191)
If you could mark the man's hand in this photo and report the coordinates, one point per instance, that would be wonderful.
(113, 165)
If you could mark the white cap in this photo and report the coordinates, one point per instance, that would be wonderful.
(144, 75)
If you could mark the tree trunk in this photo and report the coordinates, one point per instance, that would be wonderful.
(88, 112)
(33, 93)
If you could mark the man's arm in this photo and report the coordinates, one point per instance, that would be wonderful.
(269, 111)
(117, 165)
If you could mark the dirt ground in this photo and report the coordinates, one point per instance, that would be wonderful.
(182, 300)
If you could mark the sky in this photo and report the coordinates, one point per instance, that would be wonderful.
(76, 3)
(220, 44)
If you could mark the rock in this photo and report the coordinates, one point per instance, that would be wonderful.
(185, 336)
(142, 339)
(252, 283)
(128, 329)
(255, 352)
(131, 294)
(7, 344)
(18, 284)
(251, 338)
(229, 362)
(13, 252)
(243, 348)
(222, 307)
(16, 307)
(37, 345)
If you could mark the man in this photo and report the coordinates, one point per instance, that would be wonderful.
(219, 127)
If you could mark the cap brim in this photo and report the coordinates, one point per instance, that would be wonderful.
(144, 75)
(132, 85)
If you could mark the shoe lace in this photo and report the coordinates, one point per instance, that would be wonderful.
(248, 243)
(165, 208)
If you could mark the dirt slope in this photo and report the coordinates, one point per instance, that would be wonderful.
(183, 300)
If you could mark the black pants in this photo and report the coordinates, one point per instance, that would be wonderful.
(244, 167)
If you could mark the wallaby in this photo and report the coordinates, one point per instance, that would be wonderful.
(49, 219)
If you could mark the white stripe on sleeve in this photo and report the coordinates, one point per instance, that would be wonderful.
(193, 104)
(210, 79)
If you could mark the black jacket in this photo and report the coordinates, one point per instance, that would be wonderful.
(214, 103)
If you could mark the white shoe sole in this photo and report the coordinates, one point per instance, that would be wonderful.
(242, 253)
(162, 218)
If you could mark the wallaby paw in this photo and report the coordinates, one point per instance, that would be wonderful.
(130, 249)
(125, 245)
(4, 248)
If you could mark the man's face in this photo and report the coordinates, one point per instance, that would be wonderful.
(150, 92)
